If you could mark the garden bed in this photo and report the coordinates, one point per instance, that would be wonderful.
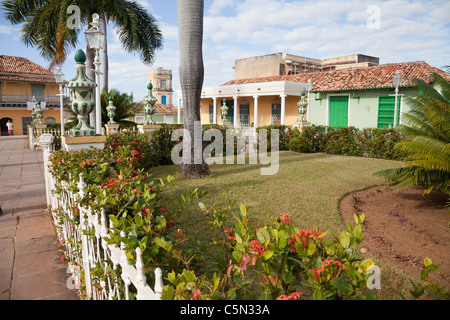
(403, 227)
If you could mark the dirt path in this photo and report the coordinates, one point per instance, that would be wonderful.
(403, 227)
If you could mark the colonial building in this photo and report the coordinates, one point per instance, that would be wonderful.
(356, 96)
(23, 82)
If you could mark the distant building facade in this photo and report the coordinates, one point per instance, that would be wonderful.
(279, 64)
(22, 82)
(359, 94)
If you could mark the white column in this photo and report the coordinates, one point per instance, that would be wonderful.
(395, 106)
(307, 109)
(255, 107)
(98, 103)
(179, 111)
(214, 110)
(283, 108)
(235, 115)
(61, 104)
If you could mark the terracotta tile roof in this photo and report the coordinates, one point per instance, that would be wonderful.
(161, 108)
(358, 78)
(22, 69)
(12, 64)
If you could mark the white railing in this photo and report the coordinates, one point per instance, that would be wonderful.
(35, 133)
(85, 245)
(10, 98)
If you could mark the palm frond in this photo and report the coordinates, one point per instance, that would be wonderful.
(427, 127)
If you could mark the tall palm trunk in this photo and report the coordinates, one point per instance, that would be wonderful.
(190, 33)
(104, 57)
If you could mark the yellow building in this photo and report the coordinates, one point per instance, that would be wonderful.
(22, 82)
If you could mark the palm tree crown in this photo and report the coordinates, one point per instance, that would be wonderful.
(45, 25)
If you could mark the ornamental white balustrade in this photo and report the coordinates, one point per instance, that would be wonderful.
(85, 246)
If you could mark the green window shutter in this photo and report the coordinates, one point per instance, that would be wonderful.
(276, 113)
(37, 90)
(211, 113)
(338, 111)
(244, 115)
(386, 106)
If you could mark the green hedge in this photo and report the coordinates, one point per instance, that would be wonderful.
(350, 141)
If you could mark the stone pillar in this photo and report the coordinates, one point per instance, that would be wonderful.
(235, 113)
(255, 121)
(46, 143)
(283, 108)
(214, 110)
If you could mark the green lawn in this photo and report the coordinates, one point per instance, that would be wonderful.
(308, 186)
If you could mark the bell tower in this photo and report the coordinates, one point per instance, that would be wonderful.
(161, 80)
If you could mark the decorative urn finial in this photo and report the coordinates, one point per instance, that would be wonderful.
(111, 111)
(302, 108)
(224, 110)
(82, 93)
(149, 103)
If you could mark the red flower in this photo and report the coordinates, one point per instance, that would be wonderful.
(256, 246)
(303, 237)
(119, 160)
(286, 219)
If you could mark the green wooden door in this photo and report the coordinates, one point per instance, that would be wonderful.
(338, 111)
(386, 106)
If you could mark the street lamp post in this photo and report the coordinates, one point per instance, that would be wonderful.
(59, 77)
(96, 40)
(308, 88)
(397, 80)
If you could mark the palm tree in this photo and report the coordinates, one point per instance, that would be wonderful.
(428, 149)
(45, 27)
(190, 34)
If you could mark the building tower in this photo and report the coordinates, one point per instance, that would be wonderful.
(161, 80)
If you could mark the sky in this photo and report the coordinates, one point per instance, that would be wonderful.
(394, 31)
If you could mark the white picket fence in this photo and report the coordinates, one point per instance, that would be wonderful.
(85, 246)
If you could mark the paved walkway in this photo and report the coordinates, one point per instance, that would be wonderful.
(30, 264)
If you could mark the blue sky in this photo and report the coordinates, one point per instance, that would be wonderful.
(394, 31)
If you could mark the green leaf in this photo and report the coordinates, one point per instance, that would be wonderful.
(288, 277)
(263, 235)
(427, 262)
(267, 255)
(342, 285)
(243, 210)
(344, 239)
(317, 295)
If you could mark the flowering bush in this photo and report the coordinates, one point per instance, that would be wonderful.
(132, 200)
(281, 256)
(136, 143)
